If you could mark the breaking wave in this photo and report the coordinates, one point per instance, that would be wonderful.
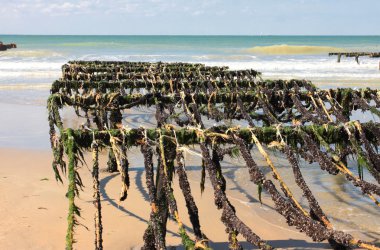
(29, 53)
(94, 44)
(22, 86)
(285, 49)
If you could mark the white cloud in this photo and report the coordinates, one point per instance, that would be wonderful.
(134, 7)
(52, 7)
(189, 16)
(197, 12)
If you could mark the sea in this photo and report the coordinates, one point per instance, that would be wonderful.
(27, 72)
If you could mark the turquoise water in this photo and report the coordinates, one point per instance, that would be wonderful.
(184, 44)
(38, 59)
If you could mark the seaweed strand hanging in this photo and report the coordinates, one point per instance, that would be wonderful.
(222, 113)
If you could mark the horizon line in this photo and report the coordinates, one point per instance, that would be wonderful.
(183, 35)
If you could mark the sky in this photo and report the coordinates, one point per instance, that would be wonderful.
(190, 17)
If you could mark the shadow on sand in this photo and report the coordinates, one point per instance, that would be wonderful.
(279, 244)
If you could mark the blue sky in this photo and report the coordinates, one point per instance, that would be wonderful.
(191, 17)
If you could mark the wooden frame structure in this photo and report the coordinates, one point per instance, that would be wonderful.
(292, 117)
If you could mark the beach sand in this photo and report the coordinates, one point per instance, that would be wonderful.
(34, 210)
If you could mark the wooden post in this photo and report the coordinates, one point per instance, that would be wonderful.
(357, 59)
(115, 121)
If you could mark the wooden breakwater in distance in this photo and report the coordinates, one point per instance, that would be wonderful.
(356, 55)
(4, 47)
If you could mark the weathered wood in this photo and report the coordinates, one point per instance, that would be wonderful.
(4, 47)
(314, 124)
(355, 54)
